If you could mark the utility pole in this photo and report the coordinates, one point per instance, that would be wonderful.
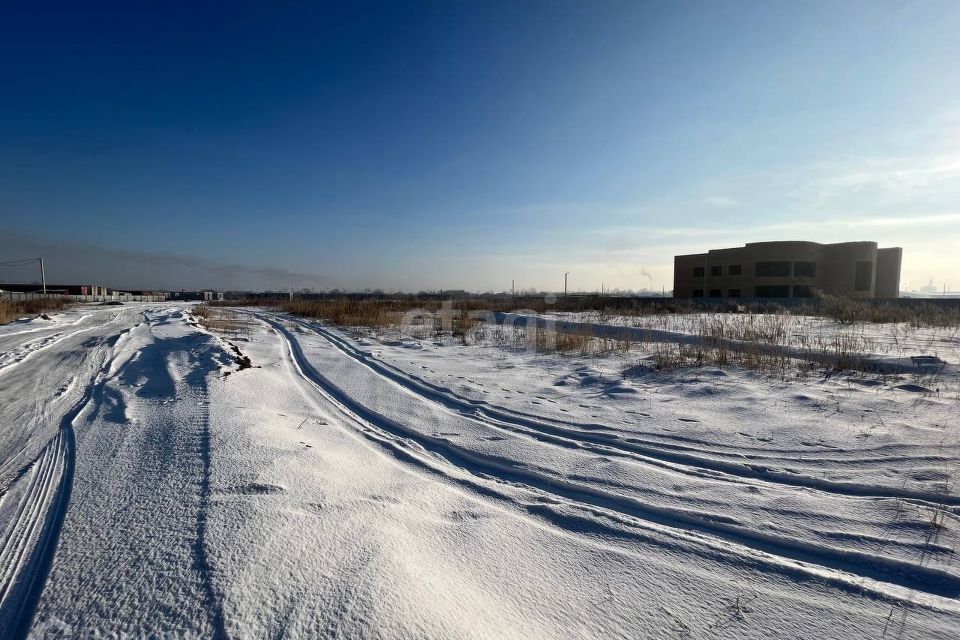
(26, 262)
(513, 287)
(565, 283)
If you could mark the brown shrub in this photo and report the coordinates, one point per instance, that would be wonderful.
(12, 309)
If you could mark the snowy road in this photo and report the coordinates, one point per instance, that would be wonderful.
(343, 488)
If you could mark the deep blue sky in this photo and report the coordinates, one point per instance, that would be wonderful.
(462, 144)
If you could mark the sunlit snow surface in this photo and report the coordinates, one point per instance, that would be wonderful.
(380, 486)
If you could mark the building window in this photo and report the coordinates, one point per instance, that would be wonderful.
(773, 269)
(773, 291)
(733, 293)
(803, 291)
(716, 293)
(864, 276)
(805, 269)
(716, 270)
(734, 269)
(698, 293)
(698, 272)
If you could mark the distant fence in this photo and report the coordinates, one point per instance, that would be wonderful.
(118, 298)
(18, 296)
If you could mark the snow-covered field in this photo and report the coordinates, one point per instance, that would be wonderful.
(887, 340)
(361, 485)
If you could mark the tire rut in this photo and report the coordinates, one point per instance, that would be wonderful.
(646, 450)
(799, 554)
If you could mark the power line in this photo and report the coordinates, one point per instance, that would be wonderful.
(24, 262)
(19, 263)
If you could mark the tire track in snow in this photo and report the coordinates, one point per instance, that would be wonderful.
(20, 351)
(144, 467)
(692, 445)
(201, 560)
(884, 576)
(30, 542)
(30, 511)
(29, 350)
(49, 327)
(650, 450)
(187, 438)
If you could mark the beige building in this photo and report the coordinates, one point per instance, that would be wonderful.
(789, 270)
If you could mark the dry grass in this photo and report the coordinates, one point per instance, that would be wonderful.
(221, 320)
(748, 339)
(840, 309)
(754, 343)
(579, 341)
(456, 318)
(847, 311)
(357, 311)
(11, 310)
(346, 312)
(758, 343)
(231, 326)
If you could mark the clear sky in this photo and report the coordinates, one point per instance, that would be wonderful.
(454, 144)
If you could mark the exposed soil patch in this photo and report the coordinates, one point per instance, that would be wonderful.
(242, 361)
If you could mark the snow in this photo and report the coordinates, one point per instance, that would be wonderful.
(374, 485)
(894, 340)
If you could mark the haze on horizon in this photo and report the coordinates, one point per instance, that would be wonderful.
(462, 145)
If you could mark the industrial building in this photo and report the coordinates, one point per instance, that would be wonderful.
(789, 270)
(67, 289)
